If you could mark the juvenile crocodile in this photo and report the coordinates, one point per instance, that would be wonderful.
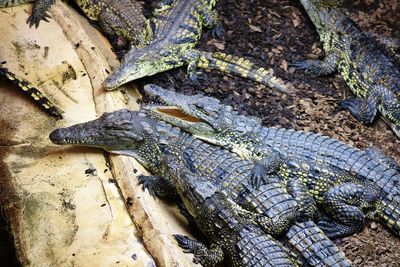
(368, 67)
(135, 134)
(344, 179)
(117, 18)
(233, 237)
(43, 101)
(176, 29)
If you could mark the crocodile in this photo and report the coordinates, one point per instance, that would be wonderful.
(176, 29)
(116, 18)
(344, 179)
(233, 236)
(43, 101)
(368, 67)
(140, 136)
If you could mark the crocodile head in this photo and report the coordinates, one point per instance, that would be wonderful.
(204, 117)
(141, 62)
(121, 132)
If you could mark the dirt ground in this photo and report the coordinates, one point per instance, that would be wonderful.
(273, 34)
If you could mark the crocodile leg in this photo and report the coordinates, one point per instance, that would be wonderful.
(39, 12)
(203, 255)
(306, 203)
(319, 67)
(363, 109)
(211, 20)
(281, 212)
(108, 22)
(263, 167)
(344, 204)
(193, 58)
(158, 186)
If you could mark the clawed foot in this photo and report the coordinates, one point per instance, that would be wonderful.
(300, 64)
(35, 19)
(218, 32)
(199, 250)
(336, 230)
(148, 183)
(258, 175)
(351, 103)
(363, 112)
(307, 66)
(198, 77)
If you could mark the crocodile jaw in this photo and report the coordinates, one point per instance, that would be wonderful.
(112, 131)
(128, 71)
(79, 136)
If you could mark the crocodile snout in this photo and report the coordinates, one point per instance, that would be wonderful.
(56, 136)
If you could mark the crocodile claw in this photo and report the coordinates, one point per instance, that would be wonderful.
(148, 183)
(300, 64)
(258, 175)
(349, 103)
(336, 230)
(188, 245)
(218, 32)
(198, 77)
(35, 19)
(198, 249)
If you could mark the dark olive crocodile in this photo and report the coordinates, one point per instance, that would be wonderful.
(175, 30)
(233, 236)
(351, 184)
(368, 67)
(117, 18)
(136, 134)
(43, 101)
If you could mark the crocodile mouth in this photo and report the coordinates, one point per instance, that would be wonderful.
(176, 113)
(58, 136)
(68, 141)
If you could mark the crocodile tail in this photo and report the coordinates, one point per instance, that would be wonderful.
(10, 3)
(244, 68)
(389, 213)
(315, 247)
(48, 106)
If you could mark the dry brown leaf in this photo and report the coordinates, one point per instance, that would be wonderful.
(255, 28)
(219, 46)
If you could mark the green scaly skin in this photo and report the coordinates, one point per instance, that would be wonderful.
(39, 98)
(176, 29)
(135, 134)
(233, 237)
(117, 18)
(323, 164)
(368, 68)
